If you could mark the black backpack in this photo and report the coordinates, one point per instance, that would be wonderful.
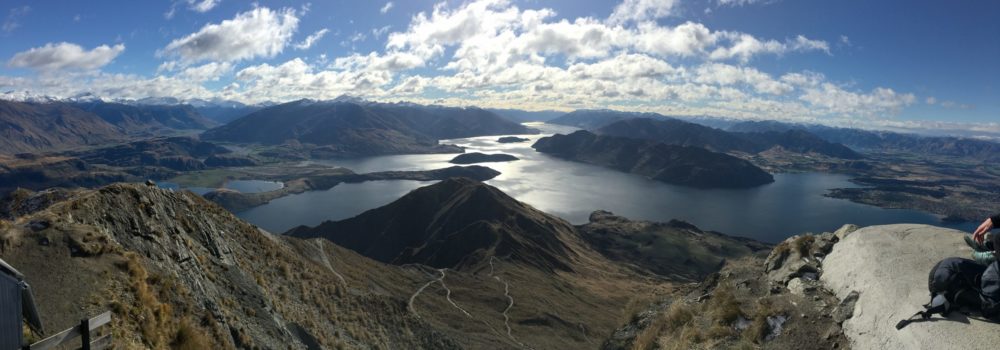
(955, 283)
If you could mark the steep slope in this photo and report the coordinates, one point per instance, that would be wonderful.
(178, 271)
(33, 127)
(148, 119)
(345, 128)
(687, 166)
(454, 224)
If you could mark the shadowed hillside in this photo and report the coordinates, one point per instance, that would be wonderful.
(686, 166)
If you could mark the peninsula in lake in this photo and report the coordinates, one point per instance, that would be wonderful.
(679, 165)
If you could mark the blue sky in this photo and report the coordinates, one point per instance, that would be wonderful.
(920, 64)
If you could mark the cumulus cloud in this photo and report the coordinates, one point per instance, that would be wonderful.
(745, 46)
(63, 56)
(311, 39)
(260, 32)
(724, 74)
(388, 6)
(641, 10)
(494, 54)
(879, 102)
(207, 72)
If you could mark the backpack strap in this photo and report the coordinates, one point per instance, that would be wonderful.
(938, 305)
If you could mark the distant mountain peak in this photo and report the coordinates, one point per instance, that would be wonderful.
(349, 99)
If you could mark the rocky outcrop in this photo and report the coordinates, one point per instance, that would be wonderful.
(764, 300)
(476, 157)
(886, 267)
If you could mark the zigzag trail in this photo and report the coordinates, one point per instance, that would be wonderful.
(326, 261)
(506, 292)
(448, 294)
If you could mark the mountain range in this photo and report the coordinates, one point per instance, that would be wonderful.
(32, 127)
(659, 128)
(885, 141)
(351, 128)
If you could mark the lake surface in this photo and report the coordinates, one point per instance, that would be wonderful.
(793, 204)
(340, 202)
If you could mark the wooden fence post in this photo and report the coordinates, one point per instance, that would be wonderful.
(85, 333)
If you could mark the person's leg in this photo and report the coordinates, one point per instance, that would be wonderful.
(990, 290)
(986, 246)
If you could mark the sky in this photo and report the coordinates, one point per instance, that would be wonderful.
(903, 64)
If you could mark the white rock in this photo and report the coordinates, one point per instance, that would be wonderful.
(888, 265)
(795, 286)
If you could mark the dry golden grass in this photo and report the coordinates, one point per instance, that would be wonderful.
(803, 243)
(189, 337)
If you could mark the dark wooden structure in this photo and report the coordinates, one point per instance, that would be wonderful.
(82, 331)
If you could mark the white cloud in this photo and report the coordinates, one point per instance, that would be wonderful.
(203, 5)
(260, 32)
(494, 54)
(207, 72)
(13, 18)
(724, 74)
(311, 39)
(879, 102)
(388, 6)
(745, 46)
(63, 56)
(687, 39)
(641, 10)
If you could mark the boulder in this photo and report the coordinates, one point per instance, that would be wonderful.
(886, 267)
(793, 258)
(845, 230)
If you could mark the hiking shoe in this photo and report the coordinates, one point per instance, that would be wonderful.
(984, 258)
(979, 247)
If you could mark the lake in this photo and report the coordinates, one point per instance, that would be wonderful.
(793, 204)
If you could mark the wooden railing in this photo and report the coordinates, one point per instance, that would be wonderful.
(81, 331)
